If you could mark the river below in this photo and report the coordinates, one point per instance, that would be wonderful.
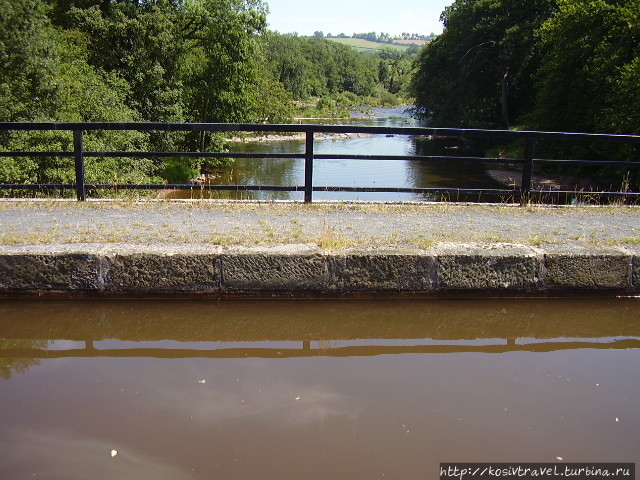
(347, 173)
(313, 389)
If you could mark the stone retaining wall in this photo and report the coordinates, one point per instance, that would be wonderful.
(501, 269)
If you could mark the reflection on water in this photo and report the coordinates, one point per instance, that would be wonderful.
(350, 173)
(313, 389)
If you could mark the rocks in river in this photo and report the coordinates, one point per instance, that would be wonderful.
(203, 179)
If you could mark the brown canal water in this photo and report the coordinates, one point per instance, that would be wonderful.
(313, 389)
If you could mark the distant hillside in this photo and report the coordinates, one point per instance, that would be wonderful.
(419, 43)
(366, 45)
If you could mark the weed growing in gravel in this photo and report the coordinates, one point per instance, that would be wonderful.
(331, 238)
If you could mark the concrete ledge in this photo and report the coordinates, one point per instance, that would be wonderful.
(501, 269)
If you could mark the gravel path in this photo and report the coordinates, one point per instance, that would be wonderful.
(330, 225)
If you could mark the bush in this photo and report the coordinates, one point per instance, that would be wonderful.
(326, 104)
(178, 170)
(389, 100)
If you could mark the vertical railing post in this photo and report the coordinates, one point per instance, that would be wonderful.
(308, 168)
(527, 172)
(78, 154)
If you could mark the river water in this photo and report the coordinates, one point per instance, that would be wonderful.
(313, 389)
(349, 173)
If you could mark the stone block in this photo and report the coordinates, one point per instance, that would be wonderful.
(488, 267)
(148, 272)
(54, 271)
(380, 269)
(261, 270)
(575, 267)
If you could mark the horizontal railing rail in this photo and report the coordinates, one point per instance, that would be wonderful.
(524, 192)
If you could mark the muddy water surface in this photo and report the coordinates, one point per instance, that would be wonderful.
(313, 389)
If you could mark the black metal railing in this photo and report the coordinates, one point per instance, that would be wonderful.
(524, 193)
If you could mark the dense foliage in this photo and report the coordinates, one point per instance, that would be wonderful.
(589, 79)
(569, 65)
(163, 61)
(479, 72)
(100, 60)
(556, 65)
(314, 67)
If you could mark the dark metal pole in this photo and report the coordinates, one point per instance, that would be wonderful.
(79, 159)
(527, 171)
(308, 168)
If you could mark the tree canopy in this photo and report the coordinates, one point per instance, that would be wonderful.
(478, 73)
(108, 60)
(555, 65)
(589, 79)
(546, 64)
(163, 61)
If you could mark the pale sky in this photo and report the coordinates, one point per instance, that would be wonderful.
(356, 16)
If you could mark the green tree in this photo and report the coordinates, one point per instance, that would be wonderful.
(271, 102)
(478, 72)
(316, 67)
(358, 72)
(60, 10)
(286, 62)
(28, 62)
(394, 71)
(220, 71)
(141, 42)
(221, 63)
(589, 79)
(90, 95)
(46, 77)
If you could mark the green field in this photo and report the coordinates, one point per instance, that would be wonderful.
(366, 45)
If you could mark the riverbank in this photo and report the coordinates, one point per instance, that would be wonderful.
(513, 178)
(237, 248)
(296, 137)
